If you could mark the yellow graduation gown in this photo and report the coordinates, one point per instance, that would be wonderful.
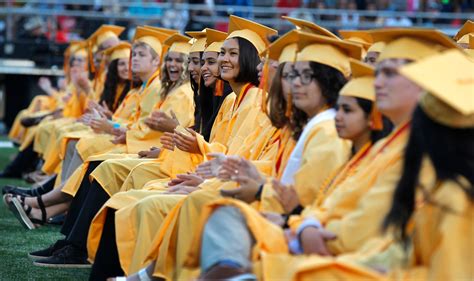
(93, 145)
(322, 147)
(355, 209)
(112, 173)
(54, 154)
(148, 97)
(121, 116)
(237, 130)
(73, 109)
(180, 100)
(441, 237)
(32, 131)
(98, 86)
(41, 104)
(165, 245)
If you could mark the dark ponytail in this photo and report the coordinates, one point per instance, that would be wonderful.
(450, 150)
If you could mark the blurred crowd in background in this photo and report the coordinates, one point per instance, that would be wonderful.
(68, 27)
(50, 24)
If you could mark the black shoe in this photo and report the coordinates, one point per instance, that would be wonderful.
(48, 252)
(28, 191)
(67, 257)
(17, 190)
(9, 175)
(57, 220)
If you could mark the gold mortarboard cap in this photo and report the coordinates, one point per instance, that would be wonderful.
(449, 80)
(162, 29)
(470, 50)
(328, 51)
(412, 43)
(214, 40)
(78, 49)
(362, 37)
(255, 33)
(199, 40)
(361, 84)
(284, 49)
(73, 46)
(120, 51)
(377, 47)
(104, 33)
(462, 37)
(178, 43)
(152, 38)
(310, 27)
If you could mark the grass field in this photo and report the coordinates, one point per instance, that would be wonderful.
(16, 242)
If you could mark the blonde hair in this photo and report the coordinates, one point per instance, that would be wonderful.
(167, 86)
(153, 53)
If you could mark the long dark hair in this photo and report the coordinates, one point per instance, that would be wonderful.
(112, 81)
(451, 151)
(197, 99)
(375, 135)
(278, 105)
(194, 84)
(209, 106)
(330, 81)
(248, 61)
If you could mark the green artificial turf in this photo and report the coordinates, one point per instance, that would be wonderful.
(16, 242)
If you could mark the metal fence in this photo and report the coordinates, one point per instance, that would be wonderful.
(151, 12)
(192, 17)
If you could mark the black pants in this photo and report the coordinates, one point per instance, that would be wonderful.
(78, 200)
(47, 186)
(85, 207)
(24, 162)
(107, 262)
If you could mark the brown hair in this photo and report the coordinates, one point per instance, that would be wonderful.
(278, 105)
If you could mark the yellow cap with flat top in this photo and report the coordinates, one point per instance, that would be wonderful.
(470, 51)
(462, 37)
(310, 27)
(362, 37)
(152, 38)
(120, 51)
(104, 33)
(377, 47)
(74, 45)
(178, 43)
(448, 79)
(361, 84)
(214, 40)
(257, 34)
(78, 49)
(284, 49)
(162, 29)
(199, 40)
(328, 51)
(412, 43)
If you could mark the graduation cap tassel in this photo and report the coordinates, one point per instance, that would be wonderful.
(264, 83)
(376, 117)
(130, 75)
(218, 92)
